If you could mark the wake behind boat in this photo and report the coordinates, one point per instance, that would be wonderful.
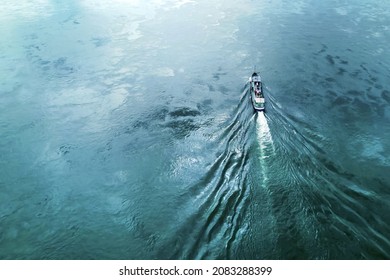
(256, 92)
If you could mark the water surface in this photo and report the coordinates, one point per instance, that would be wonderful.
(126, 130)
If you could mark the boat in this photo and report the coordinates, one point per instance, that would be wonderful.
(256, 92)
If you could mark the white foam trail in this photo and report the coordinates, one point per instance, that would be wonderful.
(264, 135)
(266, 144)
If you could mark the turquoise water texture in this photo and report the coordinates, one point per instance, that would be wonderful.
(127, 132)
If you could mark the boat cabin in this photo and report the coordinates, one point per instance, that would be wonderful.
(257, 87)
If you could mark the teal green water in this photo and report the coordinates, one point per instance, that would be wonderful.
(127, 132)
